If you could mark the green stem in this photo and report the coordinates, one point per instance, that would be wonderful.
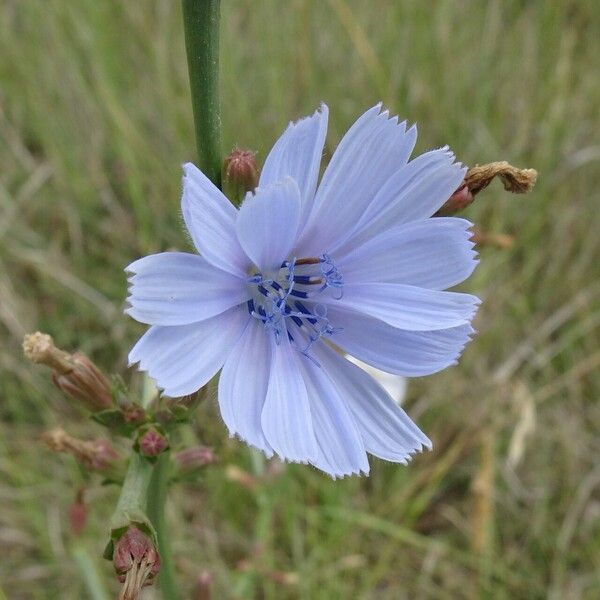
(201, 27)
(89, 573)
(131, 506)
(157, 496)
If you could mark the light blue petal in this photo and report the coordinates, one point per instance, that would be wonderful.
(372, 150)
(397, 351)
(341, 449)
(243, 386)
(286, 417)
(175, 288)
(267, 224)
(434, 253)
(297, 154)
(413, 193)
(183, 358)
(408, 307)
(210, 218)
(387, 431)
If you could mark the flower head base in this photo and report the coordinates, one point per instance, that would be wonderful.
(353, 260)
(136, 562)
(151, 442)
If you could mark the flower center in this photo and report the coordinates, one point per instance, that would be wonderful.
(287, 303)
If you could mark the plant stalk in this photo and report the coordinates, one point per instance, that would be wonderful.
(201, 28)
(157, 497)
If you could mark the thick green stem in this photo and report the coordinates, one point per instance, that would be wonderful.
(131, 507)
(157, 497)
(201, 27)
(89, 574)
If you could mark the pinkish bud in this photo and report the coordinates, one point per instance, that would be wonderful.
(194, 458)
(136, 562)
(152, 442)
(241, 169)
(75, 374)
(459, 200)
(104, 455)
(78, 514)
(96, 455)
(204, 584)
(134, 414)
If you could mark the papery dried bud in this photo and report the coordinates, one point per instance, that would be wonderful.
(96, 455)
(136, 562)
(75, 374)
(517, 181)
(78, 514)
(39, 348)
(241, 169)
(194, 458)
(204, 585)
(487, 238)
(240, 476)
(152, 442)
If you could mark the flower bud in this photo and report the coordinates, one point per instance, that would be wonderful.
(78, 514)
(134, 414)
(504, 241)
(95, 455)
(515, 180)
(237, 475)
(459, 200)
(136, 562)
(75, 374)
(204, 584)
(152, 442)
(241, 169)
(194, 458)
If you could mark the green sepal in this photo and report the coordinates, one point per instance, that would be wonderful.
(109, 550)
(119, 390)
(113, 419)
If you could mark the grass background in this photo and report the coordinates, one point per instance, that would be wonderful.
(95, 121)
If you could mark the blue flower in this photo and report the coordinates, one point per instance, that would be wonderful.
(355, 261)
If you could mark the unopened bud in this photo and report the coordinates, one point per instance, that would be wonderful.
(134, 414)
(78, 514)
(461, 198)
(74, 374)
(241, 170)
(136, 562)
(95, 455)
(204, 584)
(152, 442)
(237, 475)
(194, 458)
(503, 241)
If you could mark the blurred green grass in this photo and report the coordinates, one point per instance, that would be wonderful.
(95, 121)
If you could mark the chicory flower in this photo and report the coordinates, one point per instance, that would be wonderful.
(354, 262)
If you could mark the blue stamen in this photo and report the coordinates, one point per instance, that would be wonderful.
(274, 309)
